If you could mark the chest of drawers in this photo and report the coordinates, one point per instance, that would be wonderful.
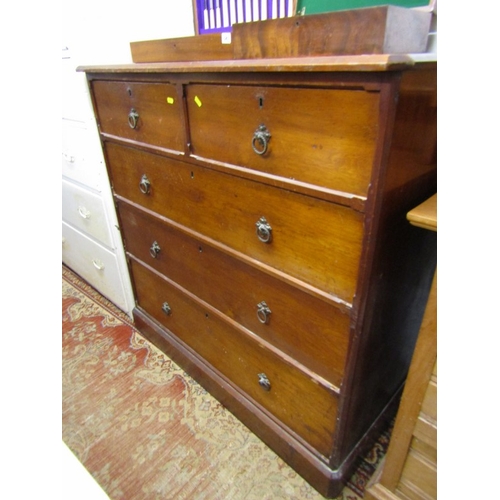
(263, 211)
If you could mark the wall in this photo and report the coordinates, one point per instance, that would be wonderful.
(99, 31)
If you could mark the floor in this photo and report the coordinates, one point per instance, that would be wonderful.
(96, 351)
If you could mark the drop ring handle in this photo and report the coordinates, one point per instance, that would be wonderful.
(264, 230)
(260, 140)
(263, 313)
(133, 118)
(264, 382)
(154, 250)
(145, 185)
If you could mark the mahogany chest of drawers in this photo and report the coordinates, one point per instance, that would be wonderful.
(262, 206)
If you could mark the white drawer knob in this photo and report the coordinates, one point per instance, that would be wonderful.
(84, 213)
(98, 264)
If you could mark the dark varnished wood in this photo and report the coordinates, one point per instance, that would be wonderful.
(302, 404)
(385, 29)
(382, 278)
(399, 259)
(307, 329)
(315, 241)
(319, 136)
(360, 63)
(312, 467)
(354, 81)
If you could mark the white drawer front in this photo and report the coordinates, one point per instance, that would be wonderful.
(76, 103)
(82, 159)
(94, 263)
(85, 211)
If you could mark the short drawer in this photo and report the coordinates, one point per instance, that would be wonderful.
(85, 210)
(305, 406)
(304, 327)
(324, 137)
(313, 240)
(94, 263)
(150, 113)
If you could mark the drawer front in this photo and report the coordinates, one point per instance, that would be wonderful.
(311, 239)
(323, 137)
(81, 155)
(306, 328)
(85, 210)
(94, 263)
(145, 112)
(418, 478)
(300, 403)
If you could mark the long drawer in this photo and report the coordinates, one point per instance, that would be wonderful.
(85, 210)
(305, 406)
(311, 239)
(306, 328)
(94, 263)
(145, 112)
(325, 137)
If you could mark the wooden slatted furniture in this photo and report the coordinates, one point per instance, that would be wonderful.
(263, 210)
(409, 470)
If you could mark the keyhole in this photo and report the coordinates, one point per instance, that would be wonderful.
(261, 102)
(129, 92)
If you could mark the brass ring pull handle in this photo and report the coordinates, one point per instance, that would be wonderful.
(154, 250)
(264, 382)
(133, 118)
(260, 140)
(263, 313)
(145, 185)
(264, 230)
(166, 309)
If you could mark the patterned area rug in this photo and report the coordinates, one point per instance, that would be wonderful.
(146, 431)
